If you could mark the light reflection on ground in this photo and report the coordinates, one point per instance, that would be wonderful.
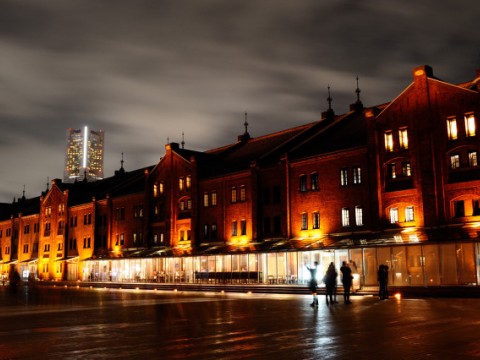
(61, 323)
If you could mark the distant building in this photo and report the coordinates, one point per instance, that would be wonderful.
(84, 155)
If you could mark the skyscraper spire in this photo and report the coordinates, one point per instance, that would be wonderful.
(183, 140)
(245, 136)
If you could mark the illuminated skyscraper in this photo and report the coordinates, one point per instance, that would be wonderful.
(84, 155)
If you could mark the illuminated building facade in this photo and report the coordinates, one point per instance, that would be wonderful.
(84, 155)
(395, 184)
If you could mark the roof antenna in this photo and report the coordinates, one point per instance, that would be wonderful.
(48, 183)
(121, 162)
(23, 195)
(246, 123)
(329, 99)
(358, 92)
(183, 140)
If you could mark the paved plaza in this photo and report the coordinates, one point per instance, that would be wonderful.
(70, 323)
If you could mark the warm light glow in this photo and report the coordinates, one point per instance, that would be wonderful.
(419, 72)
(408, 230)
(397, 296)
(175, 290)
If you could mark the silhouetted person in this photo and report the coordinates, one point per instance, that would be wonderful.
(330, 280)
(312, 284)
(14, 280)
(383, 282)
(346, 281)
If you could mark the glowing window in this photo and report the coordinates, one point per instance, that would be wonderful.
(406, 169)
(469, 125)
(343, 177)
(181, 184)
(357, 175)
(472, 158)
(234, 194)
(388, 141)
(391, 171)
(243, 193)
(161, 188)
(358, 216)
(345, 217)
(205, 199)
(155, 190)
(455, 161)
(393, 215)
(189, 182)
(452, 129)
(409, 215)
(403, 138)
(214, 198)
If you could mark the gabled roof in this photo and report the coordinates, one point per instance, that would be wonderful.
(122, 183)
(344, 132)
(24, 206)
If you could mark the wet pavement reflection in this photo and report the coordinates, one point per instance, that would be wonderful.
(70, 323)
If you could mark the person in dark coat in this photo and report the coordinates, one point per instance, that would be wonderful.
(346, 281)
(312, 284)
(330, 281)
(383, 282)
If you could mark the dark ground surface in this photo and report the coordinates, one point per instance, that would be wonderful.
(69, 323)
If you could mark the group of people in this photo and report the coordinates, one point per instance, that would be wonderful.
(330, 281)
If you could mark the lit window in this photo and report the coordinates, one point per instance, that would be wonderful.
(205, 199)
(393, 215)
(392, 173)
(345, 217)
(406, 169)
(314, 181)
(243, 193)
(243, 227)
(234, 228)
(214, 198)
(234, 194)
(155, 190)
(189, 204)
(161, 188)
(469, 125)
(403, 138)
(304, 221)
(452, 129)
(409, 215)
(181, 184)
(455, 161)
(316, 220)
(189, 182)
(182, 205)
(472, 158)
(303, 183)
(357, 175)
(358, 216)
(388, 141)
(343, 177)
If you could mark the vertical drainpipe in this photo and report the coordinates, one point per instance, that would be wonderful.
(287, 197)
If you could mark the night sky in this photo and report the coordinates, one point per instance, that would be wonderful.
(145, 71)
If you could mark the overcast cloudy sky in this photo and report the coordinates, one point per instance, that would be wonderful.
(148, 70)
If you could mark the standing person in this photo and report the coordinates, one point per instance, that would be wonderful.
(312, 284)
(382, 281)
(330, 280)
(346, 281)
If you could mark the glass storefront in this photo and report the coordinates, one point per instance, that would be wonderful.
(409, 265)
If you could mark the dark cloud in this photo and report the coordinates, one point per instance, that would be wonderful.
(148, 70)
